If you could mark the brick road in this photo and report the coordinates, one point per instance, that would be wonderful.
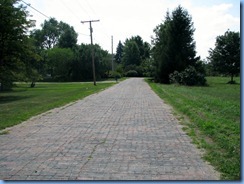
(123, 133)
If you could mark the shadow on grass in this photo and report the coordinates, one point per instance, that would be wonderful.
(7, 99)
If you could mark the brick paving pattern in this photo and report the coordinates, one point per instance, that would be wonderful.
(123, 133)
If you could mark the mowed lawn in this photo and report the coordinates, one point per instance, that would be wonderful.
(24, 102)
(211, 116)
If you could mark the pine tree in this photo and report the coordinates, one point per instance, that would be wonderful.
(119, 53)
(174, 46)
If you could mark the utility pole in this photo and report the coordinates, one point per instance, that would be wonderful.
(112, 53)
(93, 63)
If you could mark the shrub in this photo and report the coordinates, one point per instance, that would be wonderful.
(190, 77)
(116, 75)
(131, 73)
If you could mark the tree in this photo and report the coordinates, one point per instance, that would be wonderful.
(13, 40)
(131, 55)
(174, 46)
(60, 63)
(50, 33)
(140, 44)
(54, 33)
(68, 36)
(82, 65)
(225, 57)
(33, 61)
(119, 53)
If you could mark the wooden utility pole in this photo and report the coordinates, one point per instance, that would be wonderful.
(93, 63)
(112, 45)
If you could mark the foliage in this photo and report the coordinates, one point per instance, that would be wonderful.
(54, 33)
(82, 66)
(212, 120)
(136, 54)
(189, 77)
(49, 33)
(119, 53)
(116, 75)
(131, 55)
(148, 67)
(23, 102)
(144, 47)
(13, 41)
(68, 36)
(60, 63)
(225, 57)
(174, 46)
(131, 73)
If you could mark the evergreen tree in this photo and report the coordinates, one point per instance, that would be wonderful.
(119, 53)
(174, 46)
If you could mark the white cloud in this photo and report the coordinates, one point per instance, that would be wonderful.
(210, 22)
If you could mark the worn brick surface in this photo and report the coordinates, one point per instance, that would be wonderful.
(123, 133)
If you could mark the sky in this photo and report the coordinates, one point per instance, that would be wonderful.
(125, 18)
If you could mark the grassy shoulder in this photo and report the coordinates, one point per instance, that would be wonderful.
(211, 116)
(24, 102)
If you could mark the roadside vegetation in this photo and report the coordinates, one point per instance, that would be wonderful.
(24, 102)
(211, 116)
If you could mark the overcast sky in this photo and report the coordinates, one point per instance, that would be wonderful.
(125, 18)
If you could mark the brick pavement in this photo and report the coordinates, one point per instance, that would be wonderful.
(123, 133)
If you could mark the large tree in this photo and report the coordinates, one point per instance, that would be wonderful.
(68, 36)
(131, 54)
(54, 33)
(225, 57)
(13, 40)
(174, 45)
(50, 33)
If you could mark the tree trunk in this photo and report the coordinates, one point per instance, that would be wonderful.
(232, 75)
(33, 84)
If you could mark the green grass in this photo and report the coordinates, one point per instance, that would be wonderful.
(211, 116)
(24, 102)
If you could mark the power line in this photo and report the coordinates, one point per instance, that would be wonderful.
(35, 9)
(90, 7)
(70, 10)
(48, 16)
(82, 34)
(83, 8)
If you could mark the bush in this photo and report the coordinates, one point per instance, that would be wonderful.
(116, 75)
(190, 77)
(131, 73)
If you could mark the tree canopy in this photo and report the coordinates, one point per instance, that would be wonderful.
(14, 44)
(225, 57)
(54, 33)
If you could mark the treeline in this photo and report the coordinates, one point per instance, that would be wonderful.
(47, 54)
(133, 58)
(52, 53)
(172, 56)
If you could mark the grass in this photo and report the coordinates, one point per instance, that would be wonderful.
(24, 102)
(211, 116)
